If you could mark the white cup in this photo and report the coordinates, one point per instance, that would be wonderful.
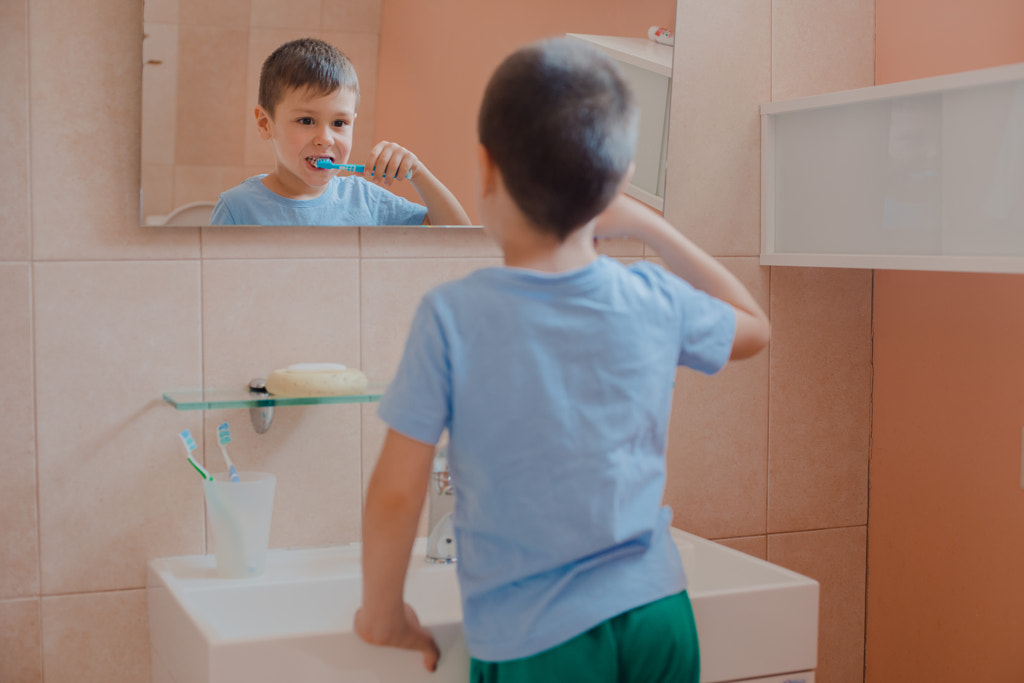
(240, 515)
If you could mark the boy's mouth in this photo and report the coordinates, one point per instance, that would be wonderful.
(313, 159)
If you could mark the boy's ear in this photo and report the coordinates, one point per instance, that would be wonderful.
(488, 171)
(263, 122)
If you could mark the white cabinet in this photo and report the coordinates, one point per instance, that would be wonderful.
(925, 174)
(647, 66)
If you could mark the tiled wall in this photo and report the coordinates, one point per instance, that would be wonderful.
(771, 456)
(201, 65)
(101, 316)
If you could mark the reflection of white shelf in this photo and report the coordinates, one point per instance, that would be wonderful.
(920, 175)
(647, 66)
(641, 52)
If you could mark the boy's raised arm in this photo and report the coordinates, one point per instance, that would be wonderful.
(626, 217)
(394, 500)
(396, 163)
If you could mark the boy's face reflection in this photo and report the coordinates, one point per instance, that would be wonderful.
(305, 128)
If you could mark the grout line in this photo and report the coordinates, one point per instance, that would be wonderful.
(202, 385)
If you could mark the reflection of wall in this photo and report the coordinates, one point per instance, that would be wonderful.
(437, 56)
(199, 135)
(947, 512)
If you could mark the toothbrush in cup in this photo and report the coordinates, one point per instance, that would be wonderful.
(190, 445)
(354, 168)
(223, 439)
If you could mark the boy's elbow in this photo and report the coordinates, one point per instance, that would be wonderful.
(752, 335)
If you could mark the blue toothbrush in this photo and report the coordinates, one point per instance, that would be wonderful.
(224, 438)
(354, 168)
(190, 445)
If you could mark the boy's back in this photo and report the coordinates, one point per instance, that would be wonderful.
(557, 390)
(554, 377)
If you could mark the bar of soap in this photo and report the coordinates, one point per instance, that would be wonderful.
(316, 379)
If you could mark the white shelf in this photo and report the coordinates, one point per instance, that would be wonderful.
(921, 175)
(641, 52)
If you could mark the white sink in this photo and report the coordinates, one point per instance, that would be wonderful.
(293, 623)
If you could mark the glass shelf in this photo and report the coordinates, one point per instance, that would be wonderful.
(214, 399)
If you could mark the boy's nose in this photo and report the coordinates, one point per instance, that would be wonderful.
(323, 137)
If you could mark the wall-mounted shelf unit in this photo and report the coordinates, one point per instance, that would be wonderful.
(215, 399)
(260, 404)
(647, 66)
(920, 175)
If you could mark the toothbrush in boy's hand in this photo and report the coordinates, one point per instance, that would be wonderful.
(224, 438)
(354, 168)
(190, 445)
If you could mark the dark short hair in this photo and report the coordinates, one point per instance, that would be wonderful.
(308, 63)
(560, 123)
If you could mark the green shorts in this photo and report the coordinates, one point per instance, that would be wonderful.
(651, 643)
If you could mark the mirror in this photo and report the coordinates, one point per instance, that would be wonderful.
(422, 68)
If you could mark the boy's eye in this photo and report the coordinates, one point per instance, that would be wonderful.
(306, 120)
(340, 123)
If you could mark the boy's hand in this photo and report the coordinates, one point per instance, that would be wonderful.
(401, 630)
(388, 162)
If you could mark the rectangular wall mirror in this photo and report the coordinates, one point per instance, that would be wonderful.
(422, 68)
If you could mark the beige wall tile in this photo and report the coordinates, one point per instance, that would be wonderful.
(19, 530)
(621, 248)
(751, 545)
(355, 16)
(722, 67)
(302, 14)
(97, 215)
(15, 234)
(19, 641)
(114, 489)
(165, 11)
(837, 559)
(820, 398)
(157, 190)
(223, 13)
(269, 314)
(212, 110)
(276, 242)
(820, 47)
(419, 242)
(159, 92)
(96, 637)
(718, 438)
(204, 183)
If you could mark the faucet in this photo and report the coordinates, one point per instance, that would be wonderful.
(441, 502)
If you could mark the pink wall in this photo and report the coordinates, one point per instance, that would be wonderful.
(429, 85)
(946, 516)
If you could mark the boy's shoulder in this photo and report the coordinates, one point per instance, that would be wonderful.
(249, 186)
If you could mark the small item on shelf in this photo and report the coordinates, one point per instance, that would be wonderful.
(316, 379)
(660, 34)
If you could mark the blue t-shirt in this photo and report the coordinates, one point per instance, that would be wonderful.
(348, 200)
(556, 391)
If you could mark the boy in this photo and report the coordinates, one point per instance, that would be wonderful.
(308, 97)
(554, 377)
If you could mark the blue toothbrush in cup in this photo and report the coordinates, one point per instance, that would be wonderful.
(190, 445)
(223, 439)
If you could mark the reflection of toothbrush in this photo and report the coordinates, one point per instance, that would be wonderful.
(224, 438)
(354, 168)
(190, 445)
